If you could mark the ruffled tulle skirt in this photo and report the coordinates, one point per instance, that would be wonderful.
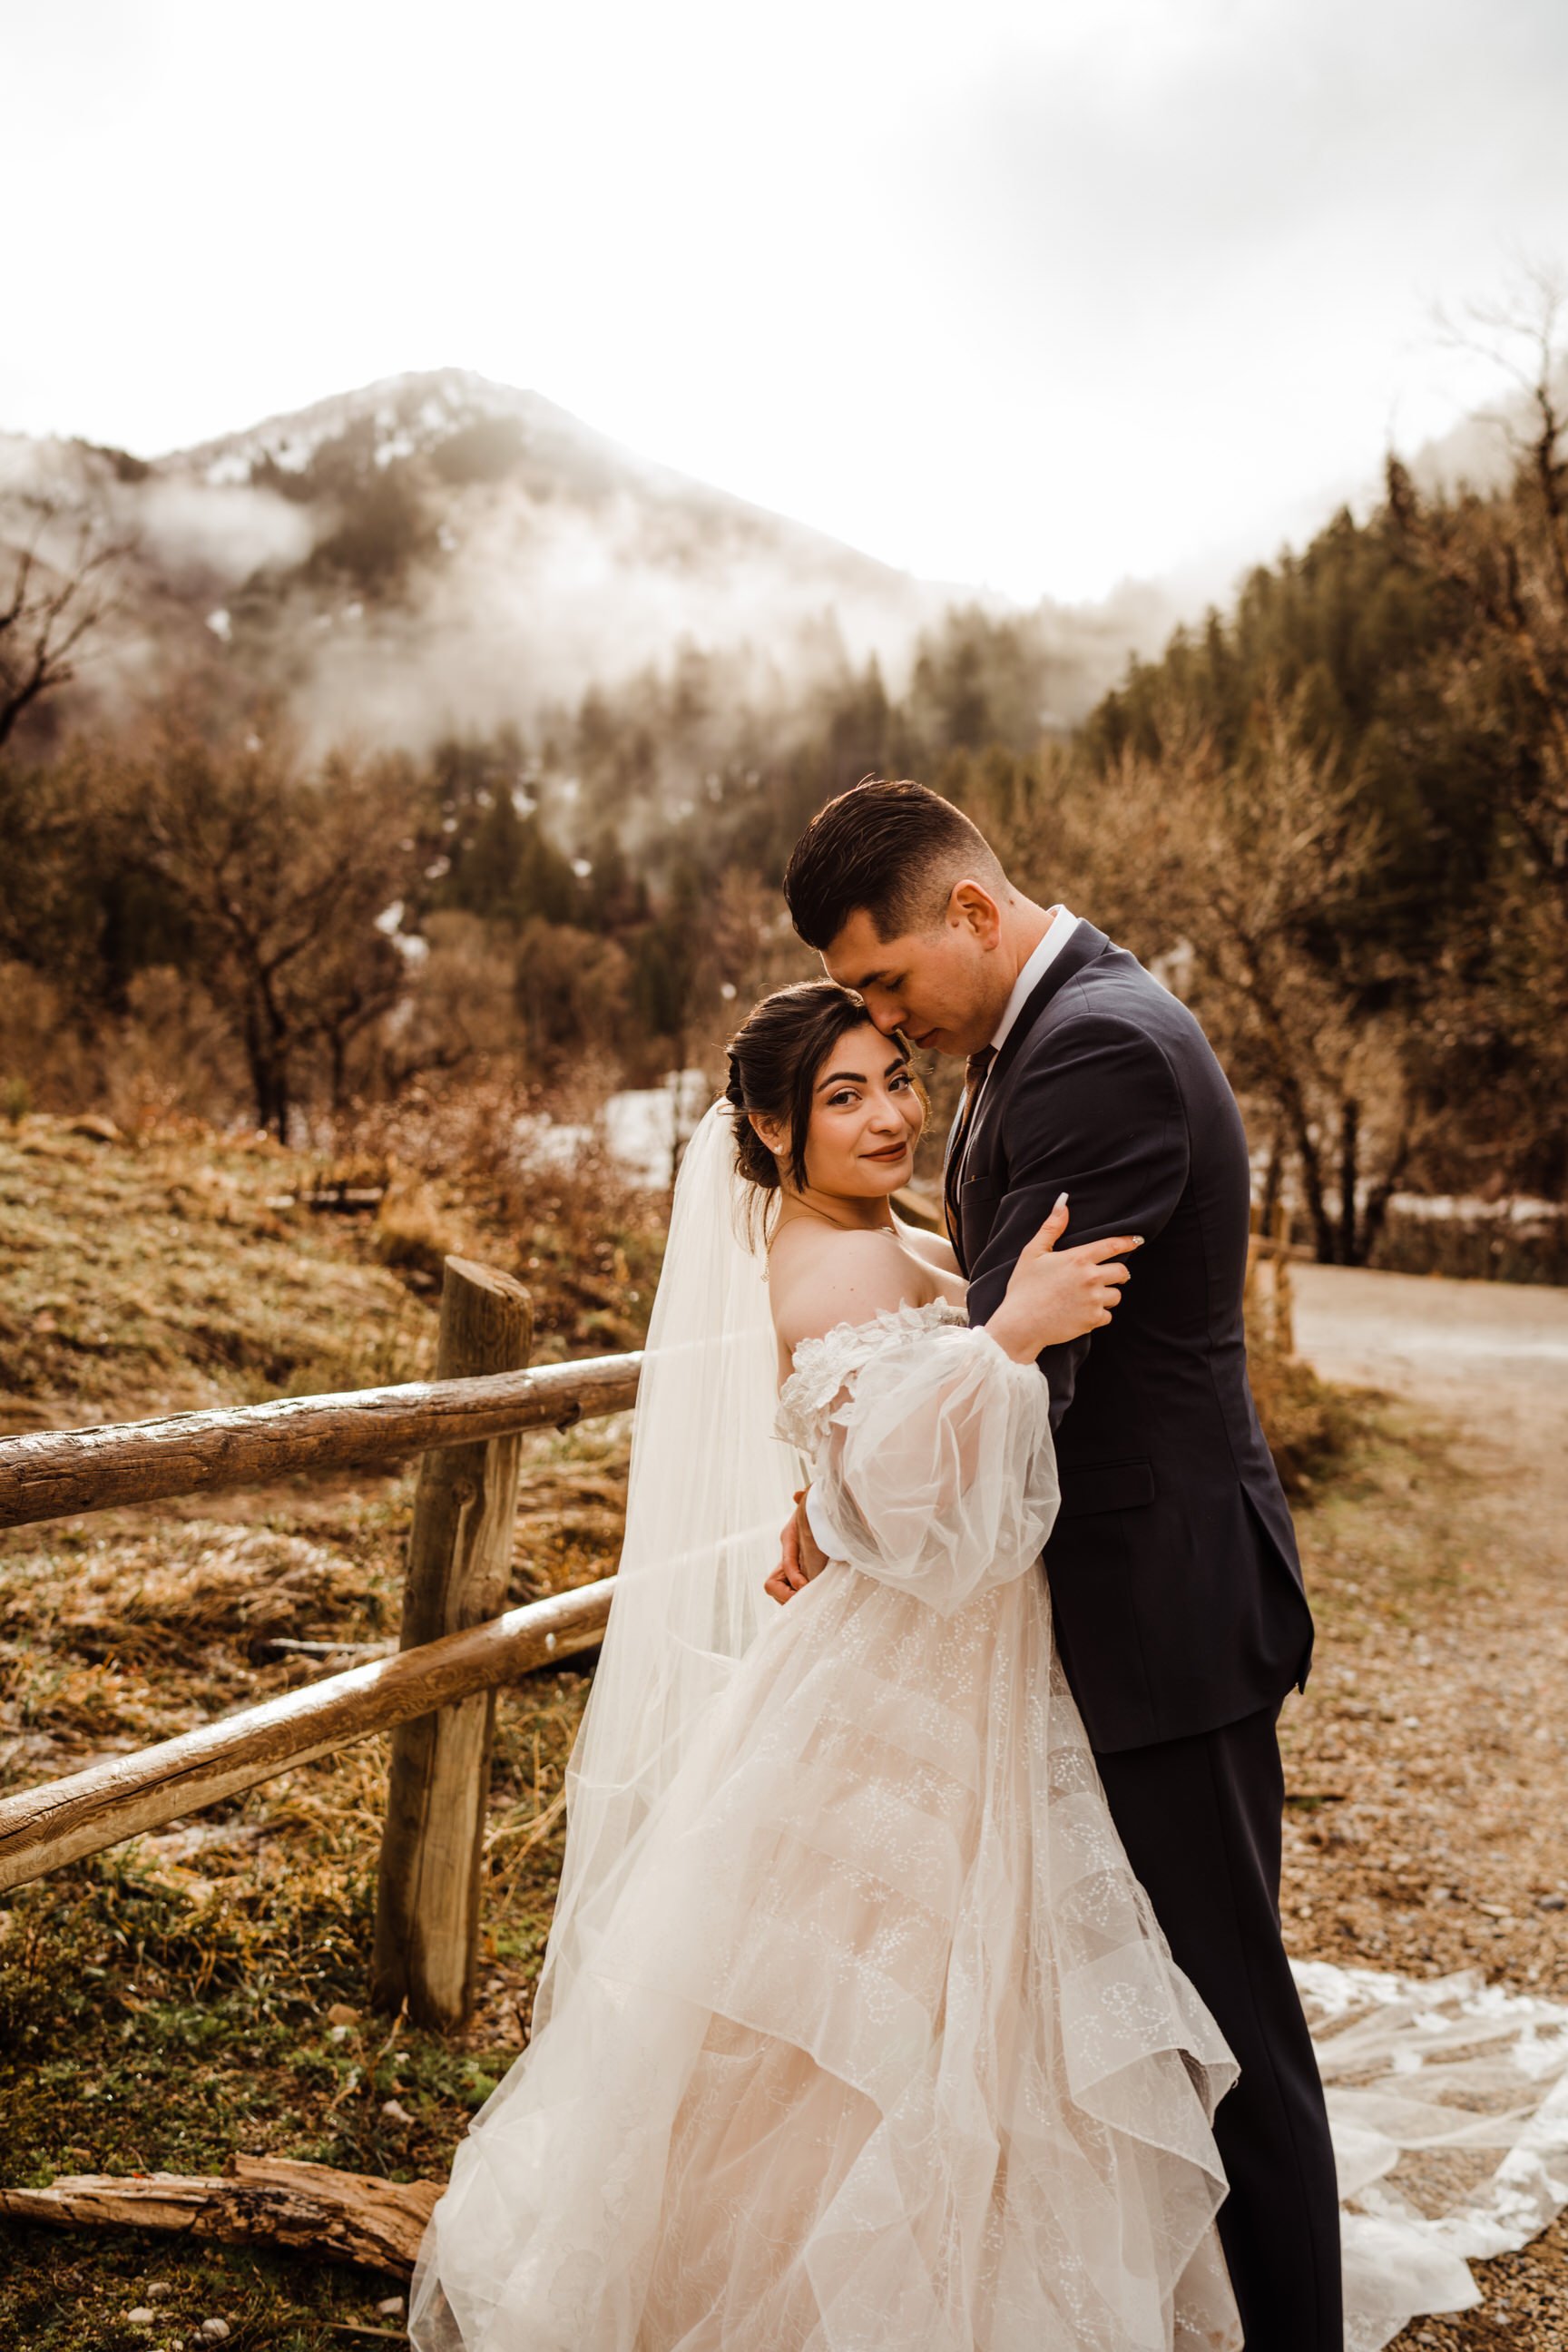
(875, 2043)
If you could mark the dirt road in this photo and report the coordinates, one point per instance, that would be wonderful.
(1428, 1761)
(1491, 1357)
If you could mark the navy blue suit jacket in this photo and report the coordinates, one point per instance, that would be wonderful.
(1175, 1583)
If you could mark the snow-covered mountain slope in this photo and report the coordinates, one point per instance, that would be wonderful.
(438, 552)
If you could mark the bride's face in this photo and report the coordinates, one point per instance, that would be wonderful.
(866, 1118)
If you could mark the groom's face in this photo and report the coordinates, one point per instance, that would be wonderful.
(946, 988)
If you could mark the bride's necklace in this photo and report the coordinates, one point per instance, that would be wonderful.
(809, 1209)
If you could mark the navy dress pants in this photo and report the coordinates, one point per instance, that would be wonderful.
(1200, 1819)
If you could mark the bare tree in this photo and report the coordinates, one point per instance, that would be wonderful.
(285, 877)
(1248, 865)
(360, 979)
(50, 608)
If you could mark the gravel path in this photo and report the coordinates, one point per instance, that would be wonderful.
(1428, 1762)
(1491, 1355)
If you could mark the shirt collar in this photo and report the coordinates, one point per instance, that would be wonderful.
(1062, 926)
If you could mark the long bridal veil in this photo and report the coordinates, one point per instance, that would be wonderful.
(710, 1489)
(1448, 2105)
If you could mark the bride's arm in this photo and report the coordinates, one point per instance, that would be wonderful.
(835, 1279)
(933, 1466)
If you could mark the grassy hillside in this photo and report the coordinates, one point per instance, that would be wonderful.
(177, 1273)
(204, 1989)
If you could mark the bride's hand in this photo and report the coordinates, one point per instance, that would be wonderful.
(800, 1556)
(1056, 1295)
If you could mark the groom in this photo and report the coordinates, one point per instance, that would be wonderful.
(1176, 1586)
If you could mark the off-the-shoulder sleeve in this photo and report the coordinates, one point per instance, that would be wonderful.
(930, 1452)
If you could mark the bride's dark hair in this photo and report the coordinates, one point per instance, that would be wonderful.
(774, 1056)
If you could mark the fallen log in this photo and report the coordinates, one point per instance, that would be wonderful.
(309, 2208)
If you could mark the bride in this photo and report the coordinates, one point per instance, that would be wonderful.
(855, 2030)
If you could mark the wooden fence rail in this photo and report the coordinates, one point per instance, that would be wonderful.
(51, 1473)
(125, 1796)
(437, 1695)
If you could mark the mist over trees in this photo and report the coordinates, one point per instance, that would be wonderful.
(1335, 818)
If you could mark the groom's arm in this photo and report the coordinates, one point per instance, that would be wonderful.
(1098, 1115)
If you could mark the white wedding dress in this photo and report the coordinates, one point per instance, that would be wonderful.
(881, 2045)
(858, 2033)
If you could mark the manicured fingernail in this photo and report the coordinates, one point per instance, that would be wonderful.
(1061, 1202)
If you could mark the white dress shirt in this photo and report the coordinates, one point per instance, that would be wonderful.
(1063, 924)
(1059, 930)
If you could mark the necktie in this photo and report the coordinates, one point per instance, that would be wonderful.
(974, 1071)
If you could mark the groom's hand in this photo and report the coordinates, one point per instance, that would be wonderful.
(800, 1556)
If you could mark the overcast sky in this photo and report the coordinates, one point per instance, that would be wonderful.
(1039, 296)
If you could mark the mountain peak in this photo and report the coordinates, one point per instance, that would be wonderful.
(438, 553)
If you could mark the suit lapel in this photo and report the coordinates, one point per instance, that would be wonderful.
(1082, 948)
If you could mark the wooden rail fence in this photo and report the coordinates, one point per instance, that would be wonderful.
(437, 1696)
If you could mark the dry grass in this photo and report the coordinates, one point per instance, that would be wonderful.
(1312, 1425)
(587, 1243)
(414, 1229)
(204, 1989)
(139, 1277)
(176, 1268)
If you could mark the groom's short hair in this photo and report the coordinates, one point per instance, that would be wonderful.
(894, 850)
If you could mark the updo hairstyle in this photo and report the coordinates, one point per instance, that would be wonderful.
(774, 1057)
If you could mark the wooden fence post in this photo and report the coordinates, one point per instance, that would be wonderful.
(459, 1557)
(1284, 1289)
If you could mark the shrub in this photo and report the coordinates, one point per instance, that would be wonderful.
(414, 1233)
(1308, 1423)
